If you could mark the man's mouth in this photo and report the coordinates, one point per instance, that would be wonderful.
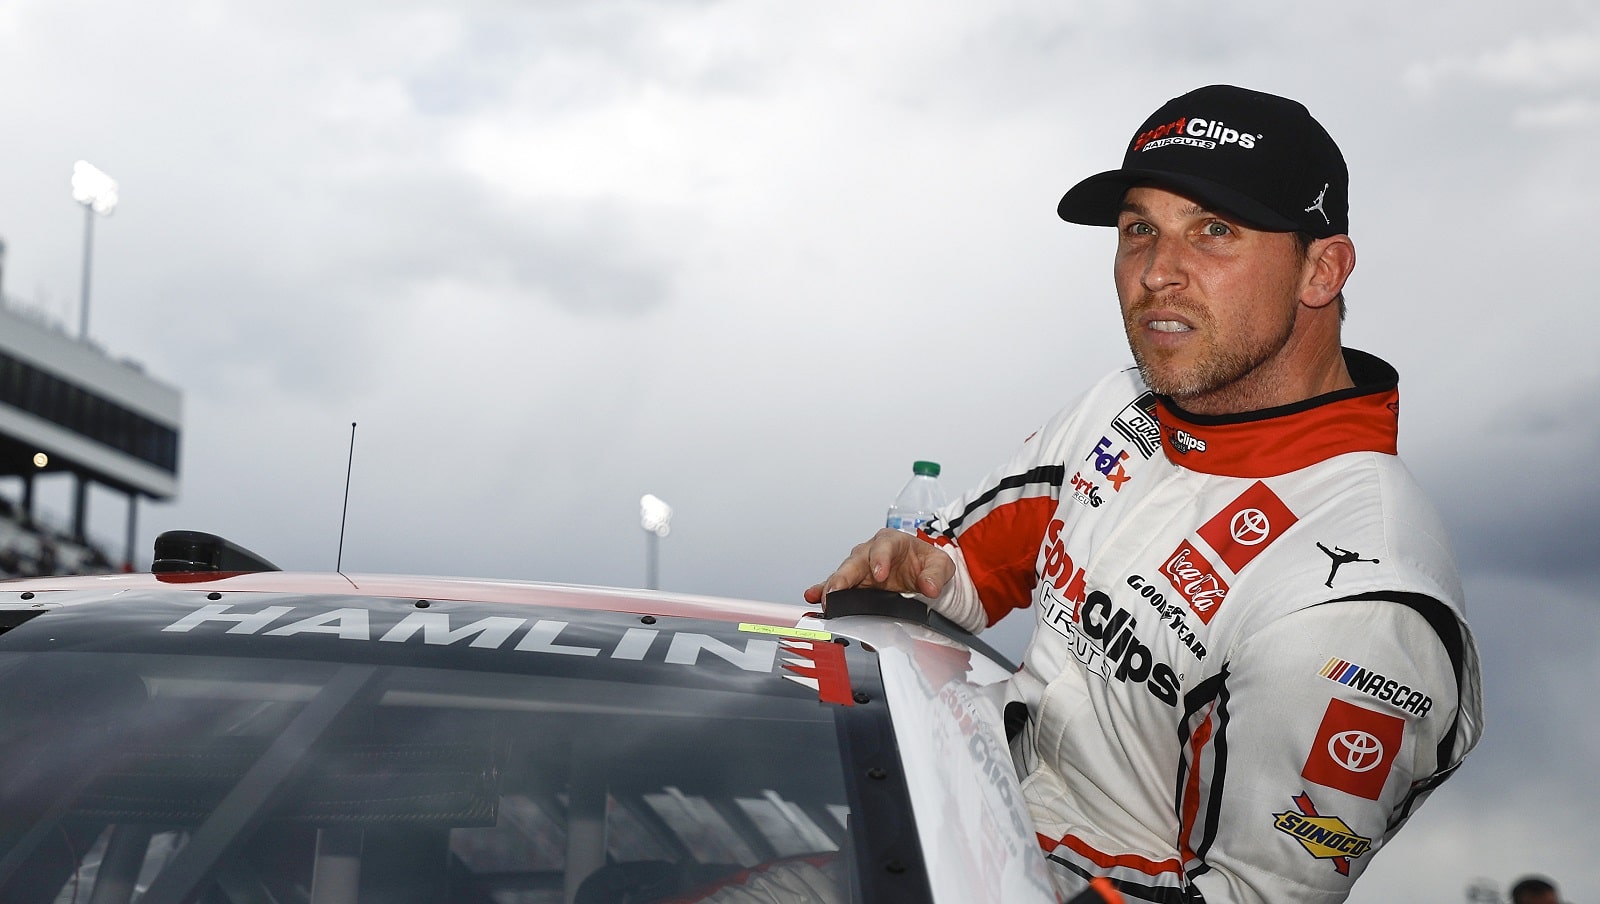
(1168, 326)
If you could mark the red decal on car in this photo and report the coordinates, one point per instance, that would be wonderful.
(822, 663)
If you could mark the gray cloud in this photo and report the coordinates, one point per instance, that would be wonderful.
(1525, 496)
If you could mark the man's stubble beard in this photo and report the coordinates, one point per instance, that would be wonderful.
(1216, 371)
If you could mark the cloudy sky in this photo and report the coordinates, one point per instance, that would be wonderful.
(756, 257)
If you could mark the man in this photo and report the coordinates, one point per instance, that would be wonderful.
(1535, 890)
(1249, 665)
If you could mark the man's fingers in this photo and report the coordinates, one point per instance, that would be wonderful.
(935, 570)
(890, 560)
(852, 572)
(885, 550)
(907, 564)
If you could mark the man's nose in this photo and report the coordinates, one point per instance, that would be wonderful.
(1164, 265)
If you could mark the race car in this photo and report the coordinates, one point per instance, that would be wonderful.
(218, 730)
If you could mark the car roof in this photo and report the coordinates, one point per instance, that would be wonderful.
(66, 590)
(47, 592)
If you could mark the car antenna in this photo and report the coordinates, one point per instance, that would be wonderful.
(338, 563)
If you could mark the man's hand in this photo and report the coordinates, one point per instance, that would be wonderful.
(891, 560)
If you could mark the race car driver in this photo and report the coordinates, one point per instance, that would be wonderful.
(1249, 664)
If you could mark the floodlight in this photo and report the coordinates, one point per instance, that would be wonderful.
(91, 187)
(97, 192)
(655, 515)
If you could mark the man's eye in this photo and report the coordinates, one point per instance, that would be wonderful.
(1216, 228)
(1140, 229)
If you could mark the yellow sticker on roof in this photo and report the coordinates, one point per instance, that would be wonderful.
(805, 633)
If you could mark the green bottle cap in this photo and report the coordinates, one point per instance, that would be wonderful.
(925, 468)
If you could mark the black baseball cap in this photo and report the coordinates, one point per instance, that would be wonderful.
(1258, 157)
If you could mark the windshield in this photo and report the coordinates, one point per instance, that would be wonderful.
(129, 773)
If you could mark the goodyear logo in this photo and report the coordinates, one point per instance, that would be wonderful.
(1323, 837)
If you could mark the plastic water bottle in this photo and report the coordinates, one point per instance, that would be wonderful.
(918, 500)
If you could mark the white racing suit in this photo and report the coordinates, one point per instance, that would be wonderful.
(1249, 665)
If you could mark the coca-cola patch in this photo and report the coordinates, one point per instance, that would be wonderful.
(1196, 581)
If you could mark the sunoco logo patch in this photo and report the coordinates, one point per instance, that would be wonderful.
(1323, 837)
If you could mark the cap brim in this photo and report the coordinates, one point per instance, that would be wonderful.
(1097, 200)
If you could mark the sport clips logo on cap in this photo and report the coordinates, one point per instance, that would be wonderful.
(1196, 132)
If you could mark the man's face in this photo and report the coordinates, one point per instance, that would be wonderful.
(1209, 304)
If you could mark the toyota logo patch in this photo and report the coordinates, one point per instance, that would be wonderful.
(1356, 750)
(1250, 526)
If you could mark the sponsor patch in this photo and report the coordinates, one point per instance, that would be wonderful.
(1101, 634)
(1085, 491)
(1354, 749)
(1341, 557)
(1247, 526)
(1323, 837)
(1138, 425)
(1196, 580)
(1104, 637)
(1184, 442)
(1109, 462)
(1195, 131)
(1171, 615)
(1377, 686)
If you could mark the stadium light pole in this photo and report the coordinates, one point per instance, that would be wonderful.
(97, 192)
(655, 517)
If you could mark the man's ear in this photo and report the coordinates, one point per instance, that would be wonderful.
(1329, 263)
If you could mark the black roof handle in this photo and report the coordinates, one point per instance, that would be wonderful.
(198, 551)
(887, 603)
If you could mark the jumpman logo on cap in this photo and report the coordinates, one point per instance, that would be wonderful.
(1317, 204)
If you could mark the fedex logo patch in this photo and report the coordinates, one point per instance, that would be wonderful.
(1354, 749)
(1247, 526)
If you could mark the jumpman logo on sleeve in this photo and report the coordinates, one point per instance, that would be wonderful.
(1340, 556)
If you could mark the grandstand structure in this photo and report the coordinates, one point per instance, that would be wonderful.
(68, 410)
